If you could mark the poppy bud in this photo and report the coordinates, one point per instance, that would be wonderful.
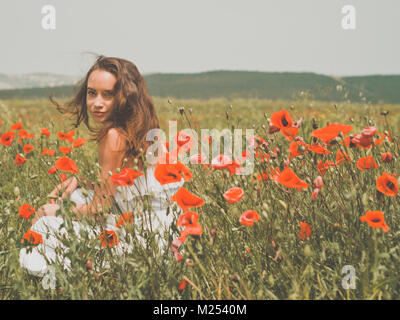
(169, 101)
(16, 191)
(89, 265)
(318, 182)
(181, 110)
(315, 193)
(230, 107)
(384, 113)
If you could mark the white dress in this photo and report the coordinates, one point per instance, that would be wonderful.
(158, 220)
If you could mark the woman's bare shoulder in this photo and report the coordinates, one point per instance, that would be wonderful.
(114, 140)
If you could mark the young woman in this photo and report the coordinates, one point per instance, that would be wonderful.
(115, 96)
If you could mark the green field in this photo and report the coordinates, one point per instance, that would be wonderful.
(228, 260)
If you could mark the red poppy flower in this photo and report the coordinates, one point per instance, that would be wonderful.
(347, 142)
(223, 161)
(249, 217)
(182, 285)
(362, 141)
(63, 176)
(65, 150)
(48, 152)
(184, 141)
(368, 131)
(19, 160)
(109, 238)
(26, 210)
(125, 218)
(281, 119)
(187, 218)
(294, 150)
(52, 170)
(387, 184)
(375, 219)
(45, 132)
(126, 177)
(289, 179)
(191, 229)
(28, 148)
(169, 173)
(7, 138)
(23, 134)
(66, 164)
(317, 148)
(324, 166)
(32, 237)
(386, 157)
(290, 133)
(233, 194)
(366, 163)
(66, 136)
(16, 126)
(315, 193)
(331, 131)
(79, 142)
(341, 156)
(305, 230)
(186, 199)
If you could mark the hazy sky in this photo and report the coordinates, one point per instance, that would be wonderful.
(202, 35)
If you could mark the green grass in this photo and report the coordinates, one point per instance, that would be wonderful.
(217, 263)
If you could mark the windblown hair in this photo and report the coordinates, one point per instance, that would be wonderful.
(133, 113)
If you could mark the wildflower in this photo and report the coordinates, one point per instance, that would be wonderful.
(330, 132)
(79, 142)
(66, 136)
(65, 150)
(16, 126)
(317, 148)
(45, 132)
(186, 199)
(109, 238)
(198, 158)
(28, 148)
(249, 217)
(182, 285)
(7, 138)
(387, 184)
(23, 134)
(223, 161)
(63, 176)
(126, 177)
(187, 218)
(66, 164)
(26, 210)
(125, 218)
(19, 159)
(48, 152)
(366, 163)
(375, 219)
(305, 230)
(32, 237)
(52, 170)
(233, 195)
(184, 141)
(169, 173)
(315, 193)
(386, 157)
(289, 179)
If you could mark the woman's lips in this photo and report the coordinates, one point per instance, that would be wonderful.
(98, 114)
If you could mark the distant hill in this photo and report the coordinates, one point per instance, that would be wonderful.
(248, 84)
(35, 80)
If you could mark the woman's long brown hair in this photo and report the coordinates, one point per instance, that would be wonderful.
(133, 114)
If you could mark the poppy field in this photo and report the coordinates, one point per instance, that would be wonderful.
(323, 199)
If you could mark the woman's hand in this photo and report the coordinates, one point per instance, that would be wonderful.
(46, 210)
(68, 186)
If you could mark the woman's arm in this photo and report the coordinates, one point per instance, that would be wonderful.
(111, 154)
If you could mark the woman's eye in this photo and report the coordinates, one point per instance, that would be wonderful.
(91, 93)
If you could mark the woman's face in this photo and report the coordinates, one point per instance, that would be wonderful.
(100, 94)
